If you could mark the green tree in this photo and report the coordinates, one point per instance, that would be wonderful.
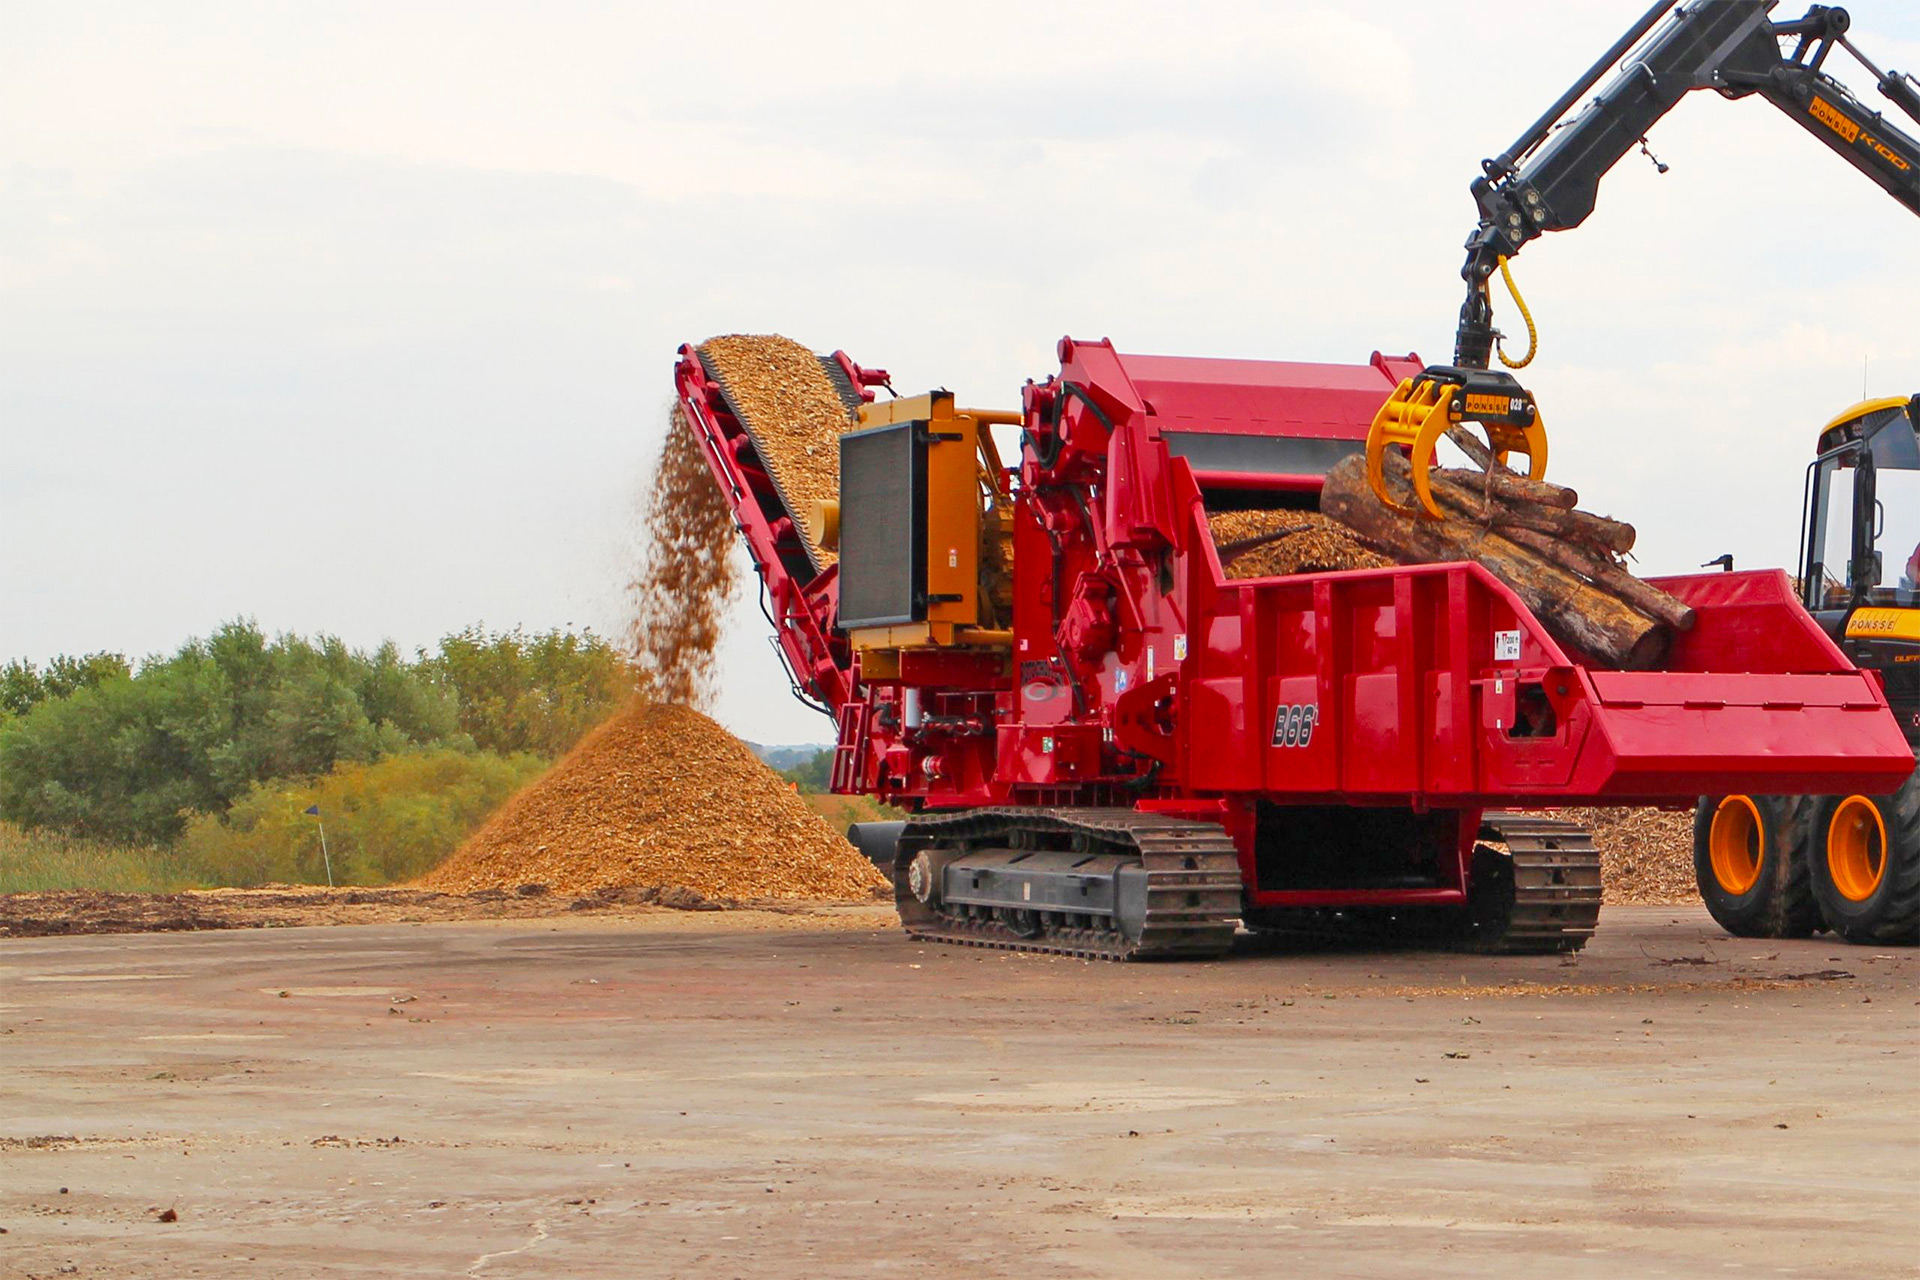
(539, 693)
(24, 686)
(812, 775)
(127, 758)
(91, 748)
(115, 760)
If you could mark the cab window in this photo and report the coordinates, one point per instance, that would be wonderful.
(1896, 521)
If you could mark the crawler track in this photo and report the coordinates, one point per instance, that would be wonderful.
(1193, 883)
(1556, 886)
(1535, 892)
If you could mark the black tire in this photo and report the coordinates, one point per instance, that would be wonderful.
(1768, 891)
(1889, 914)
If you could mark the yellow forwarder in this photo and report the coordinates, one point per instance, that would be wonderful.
(1780, 866)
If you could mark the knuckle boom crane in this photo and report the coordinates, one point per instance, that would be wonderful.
(1549, 180)
(1110, 748)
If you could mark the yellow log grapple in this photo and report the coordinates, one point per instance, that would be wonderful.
(1423, 408)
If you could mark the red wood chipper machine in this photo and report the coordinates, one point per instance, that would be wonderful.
(1112, 749)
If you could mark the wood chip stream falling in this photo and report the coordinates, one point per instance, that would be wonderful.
(678, 600)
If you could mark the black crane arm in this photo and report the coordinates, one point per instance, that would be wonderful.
(1549, 179)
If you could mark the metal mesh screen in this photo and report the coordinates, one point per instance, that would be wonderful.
(883, 522)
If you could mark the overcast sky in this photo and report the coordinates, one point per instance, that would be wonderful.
(360, 318)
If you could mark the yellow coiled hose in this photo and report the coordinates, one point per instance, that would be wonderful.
(1533, 334)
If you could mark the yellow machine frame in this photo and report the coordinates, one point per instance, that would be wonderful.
(966, 518)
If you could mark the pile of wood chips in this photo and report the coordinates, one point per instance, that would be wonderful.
(660, 796)
(1261, 544)
(795, 415)
(1646, 855)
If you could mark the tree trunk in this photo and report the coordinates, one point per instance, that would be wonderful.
(1599, 569)
(1465, 492)
(1506, 482)
(1574, 612)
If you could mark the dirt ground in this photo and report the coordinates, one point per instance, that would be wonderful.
(78, 911)
(810, 1094)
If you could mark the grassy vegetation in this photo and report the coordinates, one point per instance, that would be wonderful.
(386, 822)
(840, 812)
(41, 861)
(198, 768)
(809, 778)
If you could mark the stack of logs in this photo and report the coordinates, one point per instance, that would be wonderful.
(1562, 562)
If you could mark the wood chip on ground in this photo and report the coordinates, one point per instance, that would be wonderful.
(794, 414)
(661, 795)
(1646, 855)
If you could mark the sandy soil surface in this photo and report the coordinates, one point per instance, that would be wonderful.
(762, 1094)
(37, 915)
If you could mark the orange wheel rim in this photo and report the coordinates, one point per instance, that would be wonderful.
(1733, 845)
(1857, 848)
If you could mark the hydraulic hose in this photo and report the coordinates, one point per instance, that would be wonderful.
(1533, 334)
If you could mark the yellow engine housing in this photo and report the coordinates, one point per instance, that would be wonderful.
(921, 511)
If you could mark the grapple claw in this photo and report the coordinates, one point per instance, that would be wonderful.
(1415, 416)
(1421, 409)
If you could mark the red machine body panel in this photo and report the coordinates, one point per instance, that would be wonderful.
(1140, 675)
(1377, 686)
(1266, 397)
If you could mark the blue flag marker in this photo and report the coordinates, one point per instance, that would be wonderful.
(314, 809)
